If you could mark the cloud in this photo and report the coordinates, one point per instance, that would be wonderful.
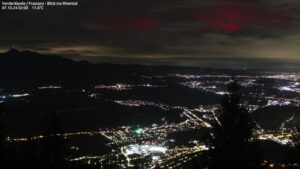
(155, 29)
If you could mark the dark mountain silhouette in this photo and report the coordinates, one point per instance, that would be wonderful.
(21, 69)
(28, 68)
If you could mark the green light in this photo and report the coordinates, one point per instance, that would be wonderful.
(139, 131)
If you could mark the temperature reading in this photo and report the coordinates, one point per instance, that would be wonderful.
(38, 7)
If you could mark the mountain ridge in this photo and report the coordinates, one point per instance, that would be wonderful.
(19, 68)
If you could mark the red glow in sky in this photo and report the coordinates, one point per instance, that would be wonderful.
(146, 23)
(130, 23)
(233, 17)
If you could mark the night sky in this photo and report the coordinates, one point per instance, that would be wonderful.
(243, 33)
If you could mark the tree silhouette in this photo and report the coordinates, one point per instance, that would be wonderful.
(231, 132)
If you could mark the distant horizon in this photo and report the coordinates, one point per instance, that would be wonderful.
(210, 63)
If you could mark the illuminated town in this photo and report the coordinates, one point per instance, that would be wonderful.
(156, 145)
